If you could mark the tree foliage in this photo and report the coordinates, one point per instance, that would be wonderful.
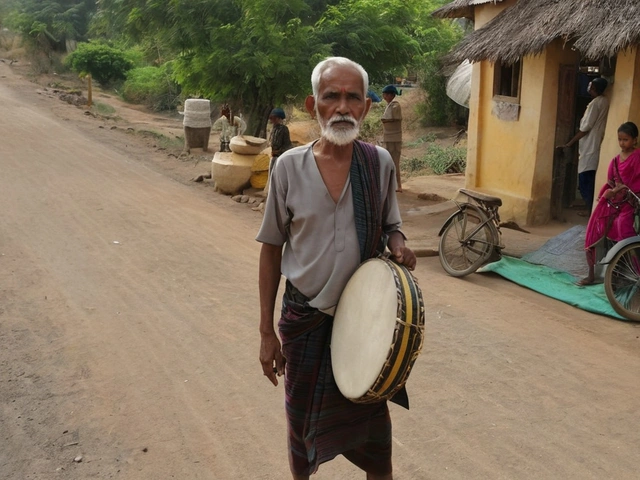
(438, 108)
(254, 54)
(378, 34)
(153, 86)
(106, 64)
(50, 23)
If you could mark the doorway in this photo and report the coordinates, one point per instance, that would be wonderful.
(573, 99)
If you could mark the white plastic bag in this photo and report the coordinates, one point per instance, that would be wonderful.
(459, 84)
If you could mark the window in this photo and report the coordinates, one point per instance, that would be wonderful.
(506, 81)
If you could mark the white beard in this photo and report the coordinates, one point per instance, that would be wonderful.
(340, 135)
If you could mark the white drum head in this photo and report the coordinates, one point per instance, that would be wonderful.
(363, 328)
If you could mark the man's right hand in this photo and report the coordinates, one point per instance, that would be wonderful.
(271, 357)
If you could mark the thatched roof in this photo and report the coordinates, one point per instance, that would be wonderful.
(460, 8)
(597, 28)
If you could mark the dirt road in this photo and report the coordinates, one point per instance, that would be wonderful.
(128, 337)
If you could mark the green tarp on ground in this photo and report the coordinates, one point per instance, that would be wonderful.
(553, 283)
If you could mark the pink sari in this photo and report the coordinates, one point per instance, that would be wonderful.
(613, 218)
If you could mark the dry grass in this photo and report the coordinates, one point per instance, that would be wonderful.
(460, 8)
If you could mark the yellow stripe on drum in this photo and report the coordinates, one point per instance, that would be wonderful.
(407, 331)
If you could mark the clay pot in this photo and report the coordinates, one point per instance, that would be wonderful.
(247, 145)
(232, 173)
(260, 171)
(259, 179)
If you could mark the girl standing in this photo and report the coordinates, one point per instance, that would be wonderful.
(613, 217)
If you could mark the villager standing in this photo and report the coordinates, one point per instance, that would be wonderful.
(280, 140)
(392, 128)
(329, 205)
(229, 126)
(589, 138)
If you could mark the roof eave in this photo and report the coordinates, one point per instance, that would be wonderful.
(448, 12)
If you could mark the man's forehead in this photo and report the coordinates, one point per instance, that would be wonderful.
(342, 78)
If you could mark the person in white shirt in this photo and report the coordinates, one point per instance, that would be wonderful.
(590, 137)
(228, 128)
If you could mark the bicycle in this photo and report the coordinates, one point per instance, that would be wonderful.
(622, 274)
(471, 236)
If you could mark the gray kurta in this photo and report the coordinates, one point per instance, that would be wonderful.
(321, 251)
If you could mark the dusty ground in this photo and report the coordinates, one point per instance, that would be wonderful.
(128, 329)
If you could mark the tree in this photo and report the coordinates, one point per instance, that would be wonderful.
(256, 54)
(262, 59)
(106, 64)
(50, 23)
(375, 33)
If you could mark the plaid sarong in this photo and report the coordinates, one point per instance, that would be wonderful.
(322, 423)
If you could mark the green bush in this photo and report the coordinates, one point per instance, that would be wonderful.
(438, 109)
(152, 86)
(439, 160)
(371, 126)
(105, 64)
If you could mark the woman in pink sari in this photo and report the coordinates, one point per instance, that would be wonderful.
(613, 216)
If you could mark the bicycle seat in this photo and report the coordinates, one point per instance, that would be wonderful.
(481, 197)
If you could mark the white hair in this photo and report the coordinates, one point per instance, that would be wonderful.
(335, 62)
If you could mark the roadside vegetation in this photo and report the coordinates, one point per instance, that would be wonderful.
(437, 159)
(253, 54)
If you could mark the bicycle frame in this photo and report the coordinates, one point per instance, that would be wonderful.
(617, 247)
(492, 218)
(471, 236)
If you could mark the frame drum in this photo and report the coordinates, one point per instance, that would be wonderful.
(378, 331)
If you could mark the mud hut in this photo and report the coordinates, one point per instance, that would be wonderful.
(532, 62)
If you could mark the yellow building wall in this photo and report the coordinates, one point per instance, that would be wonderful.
(514, 159)
(538, 211)
(477, 106)
(624, 96)
(505, 151)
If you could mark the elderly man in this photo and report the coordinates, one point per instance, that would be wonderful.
(331, 202)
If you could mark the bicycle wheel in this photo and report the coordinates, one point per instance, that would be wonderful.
(622, 282)
(466, 243)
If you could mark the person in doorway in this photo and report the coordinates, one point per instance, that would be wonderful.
(392, 127)
(331, 202)
(229, 126)
(589, 138)
(613, 218)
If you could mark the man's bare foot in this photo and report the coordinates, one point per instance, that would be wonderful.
(586, 281)
(399, 190)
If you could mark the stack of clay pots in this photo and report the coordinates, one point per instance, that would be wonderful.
(197, 124)
(260, 170)
(232, 171)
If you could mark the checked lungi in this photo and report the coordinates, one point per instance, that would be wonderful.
(322, 423)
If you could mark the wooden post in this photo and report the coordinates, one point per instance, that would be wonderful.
(89, 91)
